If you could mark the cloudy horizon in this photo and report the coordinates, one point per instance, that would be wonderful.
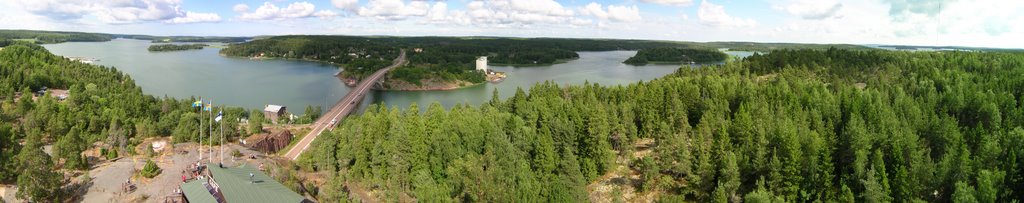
(991, 23)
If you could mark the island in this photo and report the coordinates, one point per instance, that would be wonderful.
(676, 55)
(175, 47)
(171, 39)
(435, 63)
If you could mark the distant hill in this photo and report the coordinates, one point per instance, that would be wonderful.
(946, 48)
(50, 37)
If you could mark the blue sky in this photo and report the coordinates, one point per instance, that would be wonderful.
(986, 23)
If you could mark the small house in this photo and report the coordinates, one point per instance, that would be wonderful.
(269, 143)
(273, 112)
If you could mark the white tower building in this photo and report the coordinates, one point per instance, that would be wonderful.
(481, 64)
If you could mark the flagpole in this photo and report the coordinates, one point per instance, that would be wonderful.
(210, 152)
(200, 129)
(221, 114)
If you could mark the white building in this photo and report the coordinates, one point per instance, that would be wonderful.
(481, 64)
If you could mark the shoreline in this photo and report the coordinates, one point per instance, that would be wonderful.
(559, 61)
(427, 87)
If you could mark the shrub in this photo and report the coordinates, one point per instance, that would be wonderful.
(111, 154)
(150, 170)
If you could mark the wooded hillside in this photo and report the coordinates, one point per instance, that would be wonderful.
(794, 126)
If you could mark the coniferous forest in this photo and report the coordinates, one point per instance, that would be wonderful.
(787, 126)
(102, 104)
(174, 47)
(676, 55)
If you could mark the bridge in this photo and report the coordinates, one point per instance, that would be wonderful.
(342, 108)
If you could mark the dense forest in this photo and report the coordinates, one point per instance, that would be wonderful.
(766, 47)
(676, 55)
(175, 47)
(49, 37)
(450, 58)
(792, 125)
(102, 104)
(156, 39)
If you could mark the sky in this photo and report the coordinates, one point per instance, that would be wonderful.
(980, 23)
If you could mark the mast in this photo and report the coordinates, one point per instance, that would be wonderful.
(211, 131)
(200, 129)
(222, 137)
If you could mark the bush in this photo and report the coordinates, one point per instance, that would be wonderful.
(150, 170)
(111, 154)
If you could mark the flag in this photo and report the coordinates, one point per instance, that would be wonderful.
(220, 114)
(208, 108)
(197, 103)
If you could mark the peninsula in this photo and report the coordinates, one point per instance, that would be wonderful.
(175, 47)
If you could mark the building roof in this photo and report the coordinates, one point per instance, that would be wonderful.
(273, 108)
(236, 186)
(196, 192)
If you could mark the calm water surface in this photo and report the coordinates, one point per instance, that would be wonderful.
(297, 84)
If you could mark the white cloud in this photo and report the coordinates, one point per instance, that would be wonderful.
(240, 8)
(992, 18)
(394, 9)
(116, 12)
(812, 9)
(349, 5)
(269, 11)
(930, 8)
(714, 15)
(503, 13)
(670, 2)
(439, 14)
(325, 14)
(541, 7)
(193, 17)
(614, 13)
(581, 22)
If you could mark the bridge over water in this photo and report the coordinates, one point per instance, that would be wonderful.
(346, 105)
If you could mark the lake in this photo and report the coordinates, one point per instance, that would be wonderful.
(296, 84)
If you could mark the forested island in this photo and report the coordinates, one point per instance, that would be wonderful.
(788, 126)
(171, 39)
(175, 47)
(676, 56)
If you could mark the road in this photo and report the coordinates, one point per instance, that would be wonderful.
(342, 108)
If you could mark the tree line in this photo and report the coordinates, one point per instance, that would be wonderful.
(791, 125)
(446, 58)
(174, 47)
(676, 55)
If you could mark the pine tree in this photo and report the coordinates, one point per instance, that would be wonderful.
(874, 191)
(37, 181)
(8, 151)
(989, 185)
(964, 193)
(70, 148)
